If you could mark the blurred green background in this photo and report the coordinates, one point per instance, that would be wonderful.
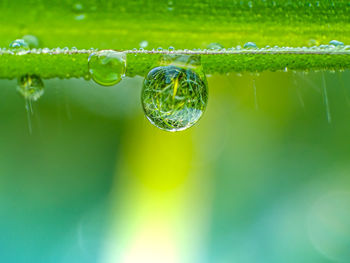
(96, 182)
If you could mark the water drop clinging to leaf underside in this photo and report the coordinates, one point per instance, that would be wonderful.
(174, 98)
(31, 87)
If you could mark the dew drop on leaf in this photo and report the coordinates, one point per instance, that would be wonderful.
(19, 45)
(107, 67)
(32, 41)
(250, 45)
(215, 46)
(336, 43)
(174, 98)
(31, 87)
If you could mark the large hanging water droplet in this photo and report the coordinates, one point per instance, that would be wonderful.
(107, 67)
(19, 45)
(174, 98)
(31, 87)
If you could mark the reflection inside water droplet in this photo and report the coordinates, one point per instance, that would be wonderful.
(173, 97)
(107, 67)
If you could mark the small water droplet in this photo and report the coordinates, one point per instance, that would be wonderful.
(215, 46)
(313, 42)
(249, 45)
(78, 7)
(32, 41)
(144, 44)
(19, 45)
(159, 49)
(336, 43)
(80, 17)
(31, 87)
(171, 49)
(170, 6)
(174, 98)
(107, 67)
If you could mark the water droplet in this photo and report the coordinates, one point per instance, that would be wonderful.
(170, 6)
(32, 41)
(313, 42)
(19, 45)
(215, 46)
(80, 17)
(171, 48)
(159, 49)
(78, 7)
(31, 87)
(336, 43)
(250, 45)
(174, 98)
(107, 67)
(144, 44)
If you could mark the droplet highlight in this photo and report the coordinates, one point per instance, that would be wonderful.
(107, 67)
(174, 98)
